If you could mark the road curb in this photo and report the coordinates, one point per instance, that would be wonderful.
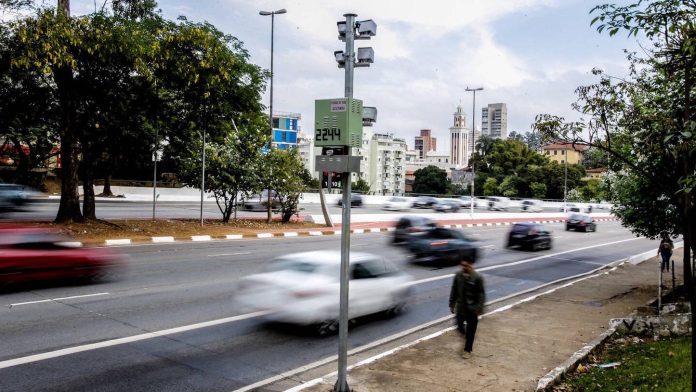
(288, 234)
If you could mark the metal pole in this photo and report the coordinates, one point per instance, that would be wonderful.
(659, 292)
(154, 178)
(202, 177)
(270, 115)
(565, 182)
(342, 381)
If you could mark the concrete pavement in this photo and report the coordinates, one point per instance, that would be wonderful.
(517, 343)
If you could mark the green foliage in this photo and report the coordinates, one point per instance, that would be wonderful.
(282, 168)
(310, 183)
(430, 180)
(490, 187)
(360, 186)
(538, 190)
(456, 189)
(508, 187)
(662, 365)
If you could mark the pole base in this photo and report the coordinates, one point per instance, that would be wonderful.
(341, 388)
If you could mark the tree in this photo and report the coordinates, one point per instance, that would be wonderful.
(430, 180)
(285, 181)
(508, 187)
(516, 136)
(490, 187)
(646, 124)
(538, 190)
(360, 186)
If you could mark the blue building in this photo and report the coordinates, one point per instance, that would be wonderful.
(285, 128)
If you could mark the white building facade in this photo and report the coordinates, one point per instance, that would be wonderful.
(494, 120)
(461, 142)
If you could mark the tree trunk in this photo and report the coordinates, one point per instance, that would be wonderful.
(107, 186)
(88, 202)
(69, 208)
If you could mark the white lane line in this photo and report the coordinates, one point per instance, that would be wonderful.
(57, 299)
(230, 254)
(129, 339)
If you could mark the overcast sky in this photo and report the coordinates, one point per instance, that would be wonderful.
(529, 54)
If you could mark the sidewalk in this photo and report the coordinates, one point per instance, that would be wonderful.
(515, 346)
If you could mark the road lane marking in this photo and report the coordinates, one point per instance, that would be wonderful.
(230, 254)
(56, 299)
(119, 341)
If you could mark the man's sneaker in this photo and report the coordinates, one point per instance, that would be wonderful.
(466, 354)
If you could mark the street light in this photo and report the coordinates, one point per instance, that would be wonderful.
(473, 130)
(270, 107)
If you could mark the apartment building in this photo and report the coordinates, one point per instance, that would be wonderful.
(494, 120)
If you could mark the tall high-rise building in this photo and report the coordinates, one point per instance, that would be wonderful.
(425, 143)
(494, 121)
(460, 140)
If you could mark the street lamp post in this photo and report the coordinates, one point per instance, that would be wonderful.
(473, 132)
(270, 106)
(565, 181)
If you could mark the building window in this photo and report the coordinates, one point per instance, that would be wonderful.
(276, 122)
(555, 152)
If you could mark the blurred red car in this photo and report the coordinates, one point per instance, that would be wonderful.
(32, 254)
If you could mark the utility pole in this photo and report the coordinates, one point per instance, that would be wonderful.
(473, 145)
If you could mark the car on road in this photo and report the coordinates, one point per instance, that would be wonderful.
(465, 201)
(447, 205)
(397, 204)
(356, 200)
(14, 196)
(31, 254)
(424, 202)
(442, 245)
(581, 222)
(531, 205)
(303, 289)
(570, 207)
(260, 202)
(531, 236)
(498, 203)
(408, 226)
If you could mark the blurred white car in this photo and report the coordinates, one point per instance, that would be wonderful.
(303, 289)
(397, 204)
(531, 205)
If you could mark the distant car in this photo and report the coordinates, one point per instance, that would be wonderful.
(447, 205)
(356, 200)
(424, 202)
(30, 254)
(303, 289)
(532, 236)
(465, 201)
(14, 196)
(397, 204)
(531, 205)
(570, 207)
(260, 202)
(498, 203)
(411, 225)
(581, 222)
(443, 245)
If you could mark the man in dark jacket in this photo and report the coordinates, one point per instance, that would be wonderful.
(466, 301)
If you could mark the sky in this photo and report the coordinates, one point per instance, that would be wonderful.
(529, 54)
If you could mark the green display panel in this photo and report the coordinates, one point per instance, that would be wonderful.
(338, 122)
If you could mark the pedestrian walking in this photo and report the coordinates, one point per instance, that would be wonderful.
(466, 301)
(665, 251)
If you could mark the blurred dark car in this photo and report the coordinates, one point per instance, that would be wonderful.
(356, 200)
(411, 225)
(442, 245)
(447, 205)
(581, 222)
(29, 254)
(424, 202)
(13, 196)
(532, 236)
(260, 202)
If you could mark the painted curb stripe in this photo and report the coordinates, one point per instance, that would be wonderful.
(234, 236)
(290, 234)
(358, 231)
(375, 230)
(315, 233)
(124, 241)
(198, 238)
(162, 239)
(264, 235)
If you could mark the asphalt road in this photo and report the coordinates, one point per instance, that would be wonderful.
(120, 209)
(181, 285)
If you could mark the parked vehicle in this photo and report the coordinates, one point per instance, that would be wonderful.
(397, 204)
(447, 205)
(303, 289)
(260, 202)
(30, 254)
(442, 245)
(424, 202)
(581, 222)
(356, 200)
(532, 236)
(531, 205)
(498, 203)
(411, 225)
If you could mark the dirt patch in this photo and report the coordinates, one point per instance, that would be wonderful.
(96, 232)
